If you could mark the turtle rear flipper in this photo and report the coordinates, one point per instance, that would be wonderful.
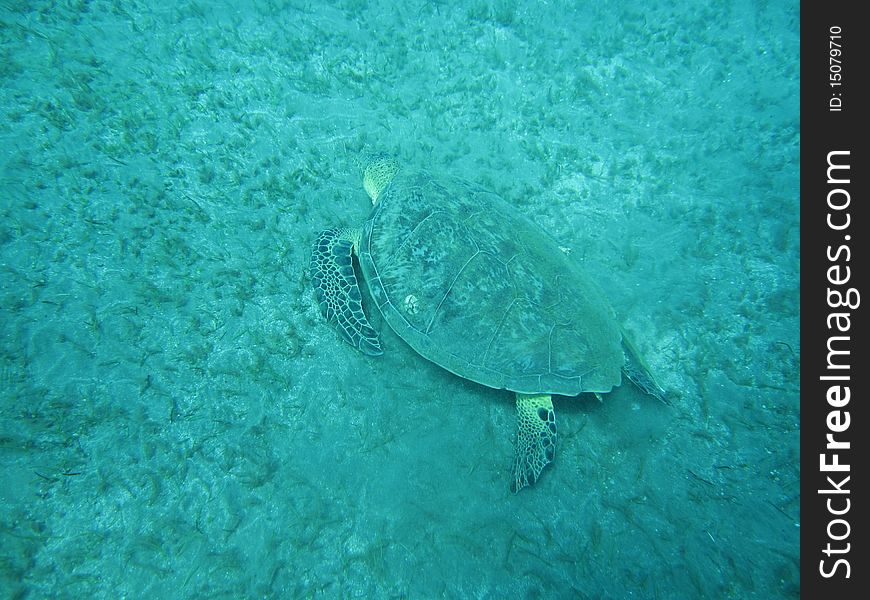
(536, 438)
(337, 291)
(639, 374)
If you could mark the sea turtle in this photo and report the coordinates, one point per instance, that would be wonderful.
(478, 289)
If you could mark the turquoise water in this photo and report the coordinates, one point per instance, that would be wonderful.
(178, 421)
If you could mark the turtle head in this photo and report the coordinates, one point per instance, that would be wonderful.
(378, 172)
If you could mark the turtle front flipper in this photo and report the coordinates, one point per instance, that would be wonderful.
(337, 291)
(536, 439)
(639, 374)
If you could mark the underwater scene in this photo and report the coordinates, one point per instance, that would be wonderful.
(178, 419)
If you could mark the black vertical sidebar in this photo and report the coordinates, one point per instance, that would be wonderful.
(835, 362)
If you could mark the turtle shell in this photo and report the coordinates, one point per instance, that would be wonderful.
(480, 290)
